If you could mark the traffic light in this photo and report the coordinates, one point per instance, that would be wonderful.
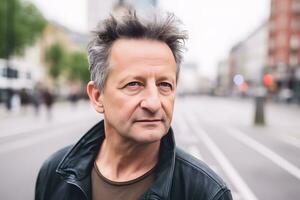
(268, 80)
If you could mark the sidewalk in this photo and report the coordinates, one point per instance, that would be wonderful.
(15, 123)
(29, 111)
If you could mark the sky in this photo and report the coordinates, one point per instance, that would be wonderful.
(214, 26)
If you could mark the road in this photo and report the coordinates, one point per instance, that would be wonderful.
(257, 162)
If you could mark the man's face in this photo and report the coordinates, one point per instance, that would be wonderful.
(139, 93)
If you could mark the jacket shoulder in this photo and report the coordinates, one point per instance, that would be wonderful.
(47, 176)
(200, 178)
(53, 161)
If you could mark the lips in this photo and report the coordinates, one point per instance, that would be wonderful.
(149, 120)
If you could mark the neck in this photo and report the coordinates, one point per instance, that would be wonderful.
(126, 160)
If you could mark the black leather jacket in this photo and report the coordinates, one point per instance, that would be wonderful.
(179, 176)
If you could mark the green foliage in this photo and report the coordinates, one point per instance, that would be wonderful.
(56, 57)
(61, 62)
(78, 67)
(20, 25)
(2, 28)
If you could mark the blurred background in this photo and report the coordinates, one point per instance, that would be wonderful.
(238, 105)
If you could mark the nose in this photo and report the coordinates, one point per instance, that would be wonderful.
(151, 100)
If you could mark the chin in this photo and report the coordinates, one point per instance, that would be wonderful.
(150, 136)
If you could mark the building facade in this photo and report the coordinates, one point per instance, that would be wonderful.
(284, 45)
(100, 9)
(248, 59)
(30, 69)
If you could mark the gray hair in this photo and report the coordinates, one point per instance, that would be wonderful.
(161, 28)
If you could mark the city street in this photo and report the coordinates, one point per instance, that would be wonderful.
(257, 162)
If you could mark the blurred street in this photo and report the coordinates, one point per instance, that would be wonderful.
(257, 162)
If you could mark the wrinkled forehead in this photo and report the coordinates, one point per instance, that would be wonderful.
(128, 50)
(131, 56)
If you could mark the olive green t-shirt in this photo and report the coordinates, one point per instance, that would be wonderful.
(105, 189)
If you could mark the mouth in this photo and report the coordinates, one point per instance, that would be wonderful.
(149, 120)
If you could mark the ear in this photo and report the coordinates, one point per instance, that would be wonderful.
(96, 97)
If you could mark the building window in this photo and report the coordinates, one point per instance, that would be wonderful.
(295, 24)
(282, 22)
(294, 60)
(294, 42)
(272, 44)
(282, 6)
(10, 73)
(296, 6)
(28, 75)
(281, 56)
(273, 26)
(271, 61)
(281, 39)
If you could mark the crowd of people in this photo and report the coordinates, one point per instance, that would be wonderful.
(21, 100)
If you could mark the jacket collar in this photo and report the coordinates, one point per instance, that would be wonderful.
(165, 168)
(76, 166)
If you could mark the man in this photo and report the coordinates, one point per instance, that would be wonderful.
(131, 154)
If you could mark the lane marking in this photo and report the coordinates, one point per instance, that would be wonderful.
(289, 140)
(263, 150)
(228, 168)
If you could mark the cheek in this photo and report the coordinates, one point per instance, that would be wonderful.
(114, 101)
(168, 105)
(122, 106)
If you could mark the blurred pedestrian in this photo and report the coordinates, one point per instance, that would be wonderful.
(48, 100)
(25, 100)
(8, 99)
(36, 99)
(131, 154)
(73, 98)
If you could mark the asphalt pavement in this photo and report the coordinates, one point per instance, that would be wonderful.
(257, 162)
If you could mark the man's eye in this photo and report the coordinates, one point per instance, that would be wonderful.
(166, 85)
(134, 84)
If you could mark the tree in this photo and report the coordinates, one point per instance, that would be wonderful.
(72, 64)
(78, 67)
(20, 25)
(56, 57)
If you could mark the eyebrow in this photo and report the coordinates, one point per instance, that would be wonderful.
(135, 77)
(169, 78)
